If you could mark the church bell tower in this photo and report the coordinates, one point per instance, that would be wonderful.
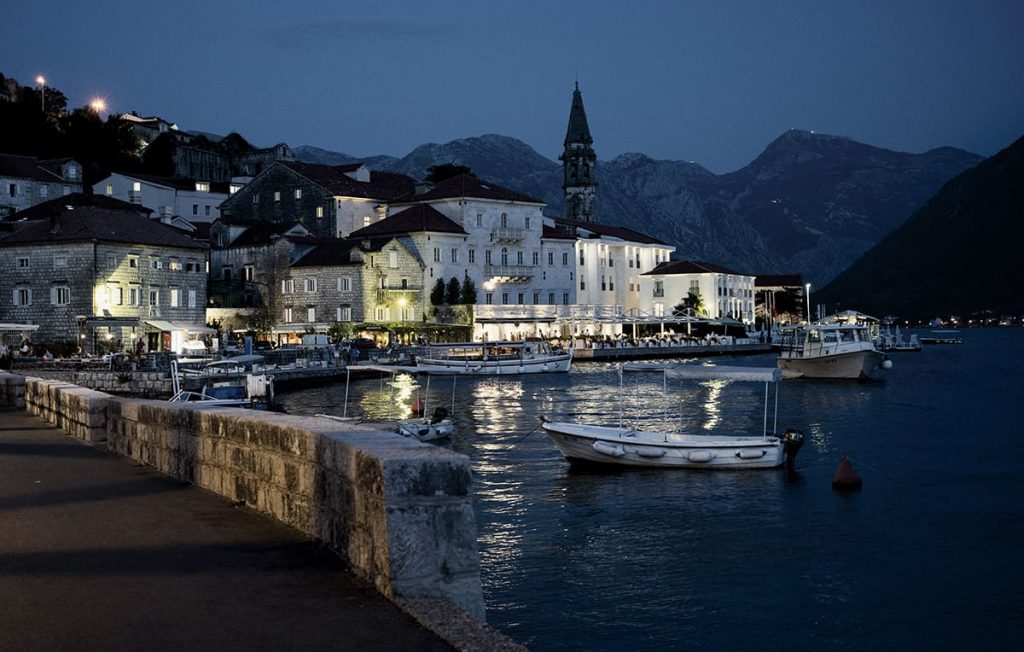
(578, 161)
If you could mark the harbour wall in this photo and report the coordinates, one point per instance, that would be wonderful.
(398, 511)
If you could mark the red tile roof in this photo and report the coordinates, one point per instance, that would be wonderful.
(78, 218)
(778, 280)
(467, 185)
(690, 267)
(416, 219)
(26, 167)
(620, 232)
(385, 186)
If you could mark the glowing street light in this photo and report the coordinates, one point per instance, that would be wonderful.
(808, 295)
(98, 105)
(42, 91)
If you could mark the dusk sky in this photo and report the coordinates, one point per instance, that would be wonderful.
(710, 82)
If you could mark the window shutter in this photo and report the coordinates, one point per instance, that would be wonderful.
(53, 296)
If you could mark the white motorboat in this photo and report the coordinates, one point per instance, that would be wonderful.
(620, 445)
(841, 346)
(255, 391)
(494, 358)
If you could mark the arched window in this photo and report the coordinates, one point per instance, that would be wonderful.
(504, 220)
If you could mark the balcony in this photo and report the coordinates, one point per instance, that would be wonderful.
(509, 273)
(410, 292)
(659, 293)
(507, 235)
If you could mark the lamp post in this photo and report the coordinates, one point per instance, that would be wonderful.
(98, 105)
(808, 295)
(42, 92)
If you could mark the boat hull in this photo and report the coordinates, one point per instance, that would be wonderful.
(552, 364)
(624, 447)
(855, 365)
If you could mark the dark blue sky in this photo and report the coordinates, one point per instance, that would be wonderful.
(711, 82)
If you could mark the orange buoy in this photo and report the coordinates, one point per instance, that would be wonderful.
(417, 408)
(846, 478)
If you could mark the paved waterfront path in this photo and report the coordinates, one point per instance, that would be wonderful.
(97, 552)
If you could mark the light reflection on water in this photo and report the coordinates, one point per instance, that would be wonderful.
(643, 559)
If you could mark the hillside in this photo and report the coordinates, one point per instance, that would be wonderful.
(959, 254)
(809, 204)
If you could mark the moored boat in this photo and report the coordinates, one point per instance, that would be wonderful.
(494, 358)
(838, 347)
(621, 445)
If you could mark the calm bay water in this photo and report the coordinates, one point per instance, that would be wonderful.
(927, 556)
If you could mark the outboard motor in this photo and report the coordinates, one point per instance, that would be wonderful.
(792, 441)
(440, 414)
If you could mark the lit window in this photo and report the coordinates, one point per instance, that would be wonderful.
(233, 188)
(247, 273)
(202, 186)
(298, 193)
(110, 189)
(366, 220)
(136, 186)
(277, 195)
(319, 211)
(288, 315)
(175, 265)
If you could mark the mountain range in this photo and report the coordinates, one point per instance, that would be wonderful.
(809, 204)
(959, 254)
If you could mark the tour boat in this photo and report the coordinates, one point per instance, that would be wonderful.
(494, 358)
(621, 445)
(840, 347)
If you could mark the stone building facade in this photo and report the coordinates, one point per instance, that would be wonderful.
(330, 201)
(27, 181)
(723, 291)
(99, 272)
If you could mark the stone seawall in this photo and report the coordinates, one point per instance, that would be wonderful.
(147, 384)
(398, 511)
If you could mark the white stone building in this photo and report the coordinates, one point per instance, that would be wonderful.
(723, 292)
(196, 201)
(26, 181)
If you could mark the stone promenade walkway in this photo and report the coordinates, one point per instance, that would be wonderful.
(97, 553)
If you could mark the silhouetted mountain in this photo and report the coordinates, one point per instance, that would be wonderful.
(809, 204)
(959, 254)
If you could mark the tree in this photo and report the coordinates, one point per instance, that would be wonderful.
(437, 294)
(442, 171)
(692, 304)
(453, 293)
(468, 292)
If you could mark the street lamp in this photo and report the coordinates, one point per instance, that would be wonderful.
(98, 105)
(808, 295)
(42, 91)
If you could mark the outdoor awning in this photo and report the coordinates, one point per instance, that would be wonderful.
(18, 328)
(176, 326)
(515, 320)
(111, 322)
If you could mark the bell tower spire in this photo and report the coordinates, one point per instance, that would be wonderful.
(578, 161)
